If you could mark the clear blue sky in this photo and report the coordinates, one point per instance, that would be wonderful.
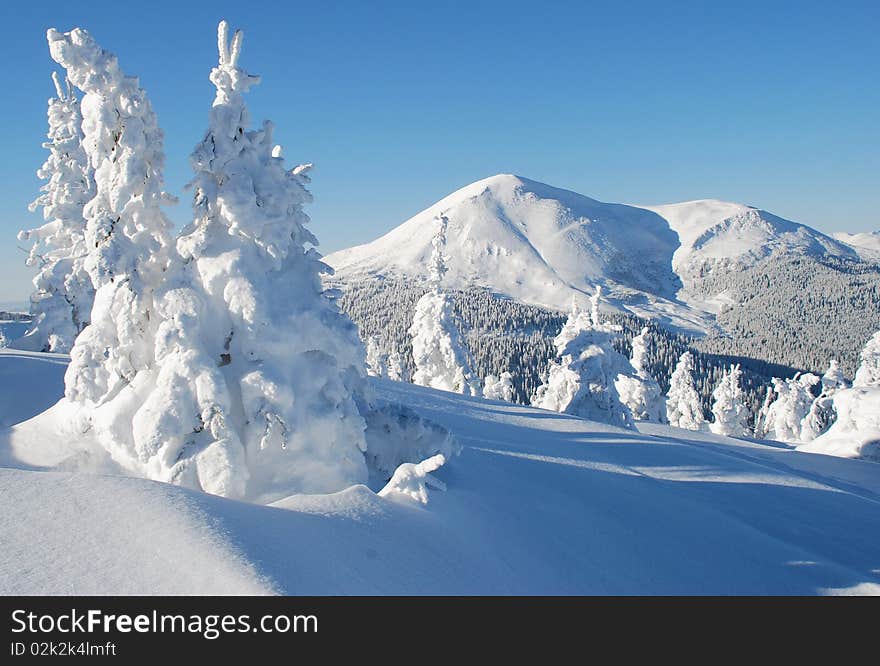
(399, 103)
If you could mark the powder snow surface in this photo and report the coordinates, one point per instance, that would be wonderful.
(537, 503)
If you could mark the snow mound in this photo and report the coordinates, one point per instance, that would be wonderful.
(856, 432)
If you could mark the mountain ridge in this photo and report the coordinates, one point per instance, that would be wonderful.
(545, 245)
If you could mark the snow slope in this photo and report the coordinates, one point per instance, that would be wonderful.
(541, 245)
(29, 383)
(536, 243)
(537, 503)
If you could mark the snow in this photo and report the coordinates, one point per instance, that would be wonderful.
(61, 304)
(855, 432)
(537, 503)
(29, 383)
(441, 358)
(584, 377)
(866, 243)
(723, 235)
(543, 245)
(683, 408)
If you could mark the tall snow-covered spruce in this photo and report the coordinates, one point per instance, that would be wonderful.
(126, 234)
(61, 304)
(683, 407)
(581, 380)
(440, 356)
(286, 367)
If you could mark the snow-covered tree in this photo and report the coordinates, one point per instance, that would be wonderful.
(731, 414)
(377, 357)
(822, 414)
(581, 380)
(868, 373)
(760, 429)
(3, 341)
(127, 234)
(683, 408)
(282, 369)
(499, 387)
(61, 303)
(396, 368)
(639, 390)
(785, 415)
(383, 361)
(441, 359)
(855, 432)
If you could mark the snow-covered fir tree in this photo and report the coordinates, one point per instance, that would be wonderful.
(731, 415)
(3, 341)
(683, 407)
(61, 303)
(282, 368)
(785, 415)
(499, 387)
(377, 357)
(822, 413)
(581, 380)
(382, 361)
(396, 369)
(868, 373)
(639, 390)
(441, 359)
(127, 235)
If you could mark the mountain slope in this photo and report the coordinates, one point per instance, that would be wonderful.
(537, 503)
(543, 245)
(717, 235)
(528, 240)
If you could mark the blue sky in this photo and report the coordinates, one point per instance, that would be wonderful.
(400, 103)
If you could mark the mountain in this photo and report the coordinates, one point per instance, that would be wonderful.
(543, 245)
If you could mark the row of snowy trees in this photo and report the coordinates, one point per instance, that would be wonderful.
(589, 376)
(214, 359)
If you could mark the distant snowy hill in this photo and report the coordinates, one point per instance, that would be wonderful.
(537, 503)
(542, 245)
(718, 235)
(867, 244)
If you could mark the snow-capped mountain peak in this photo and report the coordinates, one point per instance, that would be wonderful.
(529, 240)
(541, 245)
